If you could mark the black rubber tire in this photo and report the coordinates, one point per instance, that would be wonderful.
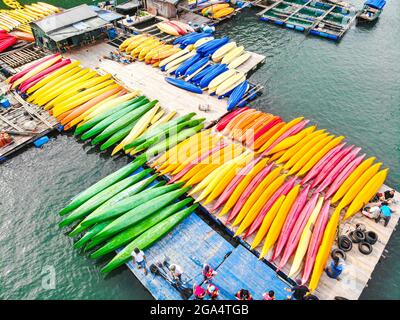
(363, 245)
(345, 244)
(361, 227)
(338, 252)
(371, 237)
(357, 236)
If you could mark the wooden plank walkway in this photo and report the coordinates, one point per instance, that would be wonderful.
(13, 118)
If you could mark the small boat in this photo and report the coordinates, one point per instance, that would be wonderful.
(371, 10)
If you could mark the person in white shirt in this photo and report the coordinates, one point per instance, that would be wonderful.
(139, 258)
(371, 212)
(176, 271)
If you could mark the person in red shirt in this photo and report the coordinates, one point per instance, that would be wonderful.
(198, 292)
(243, 294)
(208, 272)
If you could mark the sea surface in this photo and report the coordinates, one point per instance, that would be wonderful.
(351, 88)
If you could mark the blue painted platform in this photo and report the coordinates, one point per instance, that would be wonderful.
(194, 243)
(190, 245)
(242, 270)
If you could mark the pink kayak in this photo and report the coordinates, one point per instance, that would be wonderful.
(329, 166)
(33, 65)
(292, 131)
(290, 221)
(249, 190)
(234, 183)
(192, 164)
(316, 169)
(22, 89)
(283, 190)
(336, 170)
(298, 228)
(344, 175)
(45, 72)
(315, 241)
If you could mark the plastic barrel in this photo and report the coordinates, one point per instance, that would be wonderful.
(41, 141)
(5, 103)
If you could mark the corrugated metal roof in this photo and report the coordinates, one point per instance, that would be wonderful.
(377, 4)
(77, 29)
(106, 14)
(66, 18)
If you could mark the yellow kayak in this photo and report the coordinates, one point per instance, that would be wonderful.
(365, 195)
(305, 238)
(221, 52)
(297, 147)
(260, 202)
(324, 250)
(359, 185)
(55, 75)
(352, 178)
(173, 57)
(277, 225)
(221, 78)
(292, 140)
(232, 55)
(53, 83)
(174, 63)
(268, 221)
(256, 194)
(228, 84)
(307, 167)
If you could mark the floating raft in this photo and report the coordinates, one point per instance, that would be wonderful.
(327, 20)
(358, 267)
(13, 118)
(193, 243)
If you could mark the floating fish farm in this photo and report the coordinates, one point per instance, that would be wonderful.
(209, 179)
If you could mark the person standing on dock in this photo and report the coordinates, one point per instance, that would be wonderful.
(298, 291)
(140, 259)
(176, 271)
(208, 272)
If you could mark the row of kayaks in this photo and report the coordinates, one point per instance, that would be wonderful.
(174, 27)
(127, 209)
(198, 61)
(279, 197)
(101, 109)
(217, 11)
(20, 18)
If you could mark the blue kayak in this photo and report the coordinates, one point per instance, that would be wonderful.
(184, 85)
(237, 95)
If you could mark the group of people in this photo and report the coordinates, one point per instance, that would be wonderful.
(211, 290)
(381, 207)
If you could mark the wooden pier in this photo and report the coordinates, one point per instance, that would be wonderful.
(12, 122)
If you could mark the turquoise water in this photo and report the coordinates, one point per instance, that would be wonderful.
(350, 88)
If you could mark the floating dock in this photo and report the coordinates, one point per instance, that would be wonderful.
(13, 118)
(139, 76)
(358, 267)
(318, 18)
(193, 243)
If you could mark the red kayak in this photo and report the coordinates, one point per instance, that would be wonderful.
(33, 65)
(45, 72)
